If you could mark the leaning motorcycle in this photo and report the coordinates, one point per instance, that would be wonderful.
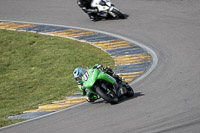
(105, 86)
(106, 9)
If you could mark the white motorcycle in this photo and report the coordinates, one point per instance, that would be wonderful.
(106, 9)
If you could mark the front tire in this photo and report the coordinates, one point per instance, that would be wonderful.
(111, 97)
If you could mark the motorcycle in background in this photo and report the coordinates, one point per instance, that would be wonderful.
(106, 9)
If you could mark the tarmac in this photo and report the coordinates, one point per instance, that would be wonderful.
(131, 60)
(167, 98)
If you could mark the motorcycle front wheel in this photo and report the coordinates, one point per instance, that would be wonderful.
(109, 96)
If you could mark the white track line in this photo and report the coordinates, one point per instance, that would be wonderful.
(150, 51)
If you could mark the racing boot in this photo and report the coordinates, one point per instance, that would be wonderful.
(93, 17)
(92, 97)
(122, 90)
(109, 71)
(119, 79)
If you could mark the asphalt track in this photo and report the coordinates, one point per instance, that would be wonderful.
(133, 61)
(167, 100)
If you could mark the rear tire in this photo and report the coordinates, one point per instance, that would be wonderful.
(118, 13)
(108, 98)
(130, 92)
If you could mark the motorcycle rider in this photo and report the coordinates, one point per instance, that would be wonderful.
(85, 5)
(79, 72)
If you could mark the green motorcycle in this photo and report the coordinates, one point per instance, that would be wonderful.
(105, 86)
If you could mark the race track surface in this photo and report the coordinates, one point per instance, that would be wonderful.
(167, 100)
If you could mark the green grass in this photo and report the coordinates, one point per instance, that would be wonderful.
(37, 69)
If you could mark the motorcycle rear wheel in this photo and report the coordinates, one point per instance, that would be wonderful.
(130, 92)
(111, 97)
(118, 14)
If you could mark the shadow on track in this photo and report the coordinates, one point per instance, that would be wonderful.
(111, 18)
(121, 99)
(124, 98)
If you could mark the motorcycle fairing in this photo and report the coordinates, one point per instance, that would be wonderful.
(92, 75)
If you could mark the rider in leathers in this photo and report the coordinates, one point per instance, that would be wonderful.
(85, 5)
(78, 73)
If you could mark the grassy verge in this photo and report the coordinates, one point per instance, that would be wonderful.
(37, 69)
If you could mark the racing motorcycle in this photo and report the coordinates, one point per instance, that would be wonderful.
(105, 86)
(106, 9)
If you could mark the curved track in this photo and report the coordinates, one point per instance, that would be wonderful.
(167, 100)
